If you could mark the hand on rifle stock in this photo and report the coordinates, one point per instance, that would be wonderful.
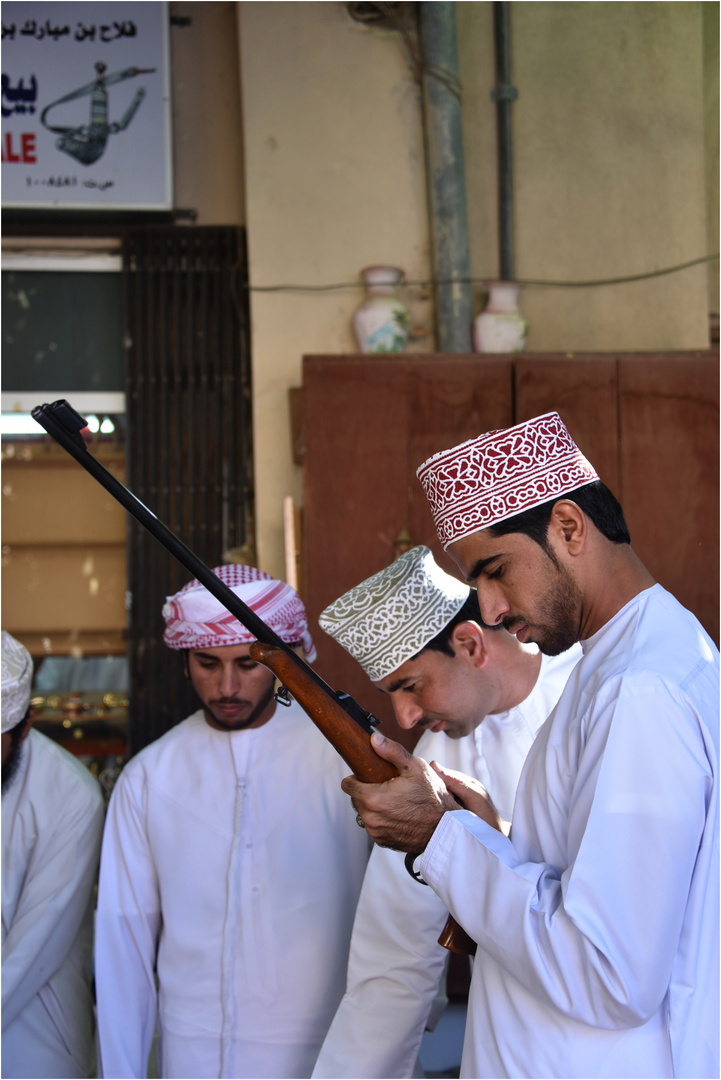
(354, 746)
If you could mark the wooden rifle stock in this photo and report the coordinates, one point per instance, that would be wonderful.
(348, 738)
(340, 719)
(353, 745)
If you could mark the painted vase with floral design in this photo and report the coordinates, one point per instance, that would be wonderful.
(381, 322)
(500, 328)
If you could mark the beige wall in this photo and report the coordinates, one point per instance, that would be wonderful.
(63, 552)
(711, 131)
(609, 168)
(613, 174)
(207, 121)
(334, 182)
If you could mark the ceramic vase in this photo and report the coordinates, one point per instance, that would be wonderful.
(381, 322)
(500, 328)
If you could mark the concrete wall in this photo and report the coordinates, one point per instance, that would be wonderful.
(609, 167)
(207, 118)
(616, 174)
(334, 182)
(711, 133)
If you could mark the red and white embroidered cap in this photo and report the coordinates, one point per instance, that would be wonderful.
(194, 619)
(494, 476)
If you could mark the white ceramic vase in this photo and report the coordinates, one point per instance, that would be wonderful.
(500, 328)
(381, 322)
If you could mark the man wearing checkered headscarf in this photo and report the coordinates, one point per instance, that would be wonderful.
(52, 819)
(231, 864)
(597, 918)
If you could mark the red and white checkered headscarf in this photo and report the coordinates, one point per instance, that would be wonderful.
(500, 474)
(194, 619)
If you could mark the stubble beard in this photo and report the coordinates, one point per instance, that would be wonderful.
(557, 626)
(240, 725)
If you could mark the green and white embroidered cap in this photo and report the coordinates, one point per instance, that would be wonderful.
(392, 615)
(17, 677)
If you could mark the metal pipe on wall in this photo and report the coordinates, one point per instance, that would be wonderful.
(446, 179)
(504, 95)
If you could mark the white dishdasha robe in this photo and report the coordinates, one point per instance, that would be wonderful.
(235, 858)
(396, 962)
(597, 921)
(52, 822)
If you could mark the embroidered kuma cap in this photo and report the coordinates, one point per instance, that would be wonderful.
(194, 619)
(390, 616)
(17, 676)
(494, 476)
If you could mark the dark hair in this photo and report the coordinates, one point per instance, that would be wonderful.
(16, 732)
(12, 761)
(600, 504)
(469, 612)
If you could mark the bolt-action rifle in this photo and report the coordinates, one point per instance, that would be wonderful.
(341, 720)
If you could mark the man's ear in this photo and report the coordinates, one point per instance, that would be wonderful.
(468, 641)
(568, 525)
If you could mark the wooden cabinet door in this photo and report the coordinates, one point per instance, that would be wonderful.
(355, 421)
(668, 433)
(369, 422)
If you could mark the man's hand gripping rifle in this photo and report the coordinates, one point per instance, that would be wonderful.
(340, 719)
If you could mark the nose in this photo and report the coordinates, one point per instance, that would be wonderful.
(491, 601)
(230, 680)
(408, 713)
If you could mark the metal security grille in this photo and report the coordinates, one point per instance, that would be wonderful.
(189, 437)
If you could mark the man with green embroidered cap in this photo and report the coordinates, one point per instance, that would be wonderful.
(480, 696)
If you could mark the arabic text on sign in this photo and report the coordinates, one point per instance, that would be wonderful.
(106, 32)
(18, 100)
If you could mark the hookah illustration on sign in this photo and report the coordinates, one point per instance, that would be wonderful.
(87, 143)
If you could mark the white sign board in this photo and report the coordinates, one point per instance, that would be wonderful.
(86, 106)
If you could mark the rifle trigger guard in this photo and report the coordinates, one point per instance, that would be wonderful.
(409, 860)
(282, 696)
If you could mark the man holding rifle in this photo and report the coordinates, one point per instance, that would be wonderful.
(231, 865)
(597, 919)
(480, 696)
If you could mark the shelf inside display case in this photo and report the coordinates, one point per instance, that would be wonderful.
(91, 725)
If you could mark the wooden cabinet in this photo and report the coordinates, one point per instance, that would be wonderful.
(648, 423)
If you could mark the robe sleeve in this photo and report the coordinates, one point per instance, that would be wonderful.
(394, 971)
(56, 895)
(126, 935)
(597, 936)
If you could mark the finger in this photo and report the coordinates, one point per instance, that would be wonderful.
(391, 751)
(349, 785)
(458, 784)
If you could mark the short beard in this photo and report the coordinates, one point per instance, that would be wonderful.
(240, 725)
(562, 627)
(558, 625)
